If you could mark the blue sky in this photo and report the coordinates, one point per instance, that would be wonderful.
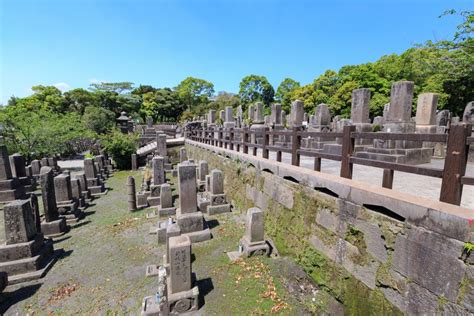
(71, 43)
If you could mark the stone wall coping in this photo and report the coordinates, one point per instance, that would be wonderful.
(451, 220)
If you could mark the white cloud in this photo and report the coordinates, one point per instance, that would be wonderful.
(95, 80)
(62, 86)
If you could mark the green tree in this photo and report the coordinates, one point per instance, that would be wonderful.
(47, 98)
(121, 147)
(162, 104)
(255, 88)
(194, 91)
(77, 100)
(224, 99)
(284, 92)
(98, 119)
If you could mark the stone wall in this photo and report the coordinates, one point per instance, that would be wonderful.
(376, 250)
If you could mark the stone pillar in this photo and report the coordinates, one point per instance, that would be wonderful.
(161, 149)
(426, 112)
(253, 242)
(216, 182)
(134, 162)
(19, 220)
(179, 258)
(17, 164)
(62, 188)
(401, 100)
(131, 192)
(203, 170)
(254, 231)
(149, 121)
(229, 116)
(5, 170)
(36, 212)
(211, 117)
(166, 196)
(251, 113)
(297, 113)
(222, 115)
(322, 118)
(35, 167)
(76, 191)
(158, 169)
(259, 113)
(359, 115)
(468, 115)
(48, 195)
(276, 114)
(360, 106)
(84, 187)
(229, 119)
(187, 188)
(182, 154)
(89, 169)
(45, 162)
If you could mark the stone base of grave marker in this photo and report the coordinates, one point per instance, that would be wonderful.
(192, 225)
(29, 260)
(11, 190)
(218, 204)
(153, 198)
(178, 304)
(70, 211)
(201, 185)
(410, 156)
(96, 187)
(203, 202)
(29, 183)
(166, 211)
(54, 228)
(249, 249)
(142, 199)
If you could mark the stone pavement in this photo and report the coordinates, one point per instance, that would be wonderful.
(414, 184)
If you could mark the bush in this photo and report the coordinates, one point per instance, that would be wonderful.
(121, 147)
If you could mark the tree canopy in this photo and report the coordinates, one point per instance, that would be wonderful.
(255, 88)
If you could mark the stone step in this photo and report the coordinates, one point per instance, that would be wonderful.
(381, 157)
(29, 264)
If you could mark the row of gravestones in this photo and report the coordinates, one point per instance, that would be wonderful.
(396, 118)
(199, 192)
(28, 252)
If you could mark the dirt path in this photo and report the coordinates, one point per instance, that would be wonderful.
(103, 269)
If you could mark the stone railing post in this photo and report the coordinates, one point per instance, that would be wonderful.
(347, 150)
(455, 163)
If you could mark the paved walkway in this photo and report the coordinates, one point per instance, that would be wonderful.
(418, 185)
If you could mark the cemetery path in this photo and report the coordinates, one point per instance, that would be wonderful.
(103, 269)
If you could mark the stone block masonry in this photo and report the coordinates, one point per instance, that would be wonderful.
(378, 251)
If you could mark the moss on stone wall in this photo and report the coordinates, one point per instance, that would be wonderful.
(290, 229)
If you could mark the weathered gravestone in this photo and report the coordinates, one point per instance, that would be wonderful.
(10, 187)
(94, 183)
(52, 223)
(253, 242)
(202, 172)
(166, 201)
(26, 255)
(217, 198)
(190, 220)
(398, 119)
(66, 204)
(177, 293)
(183, 156)
(158, 178)
(76, 192)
